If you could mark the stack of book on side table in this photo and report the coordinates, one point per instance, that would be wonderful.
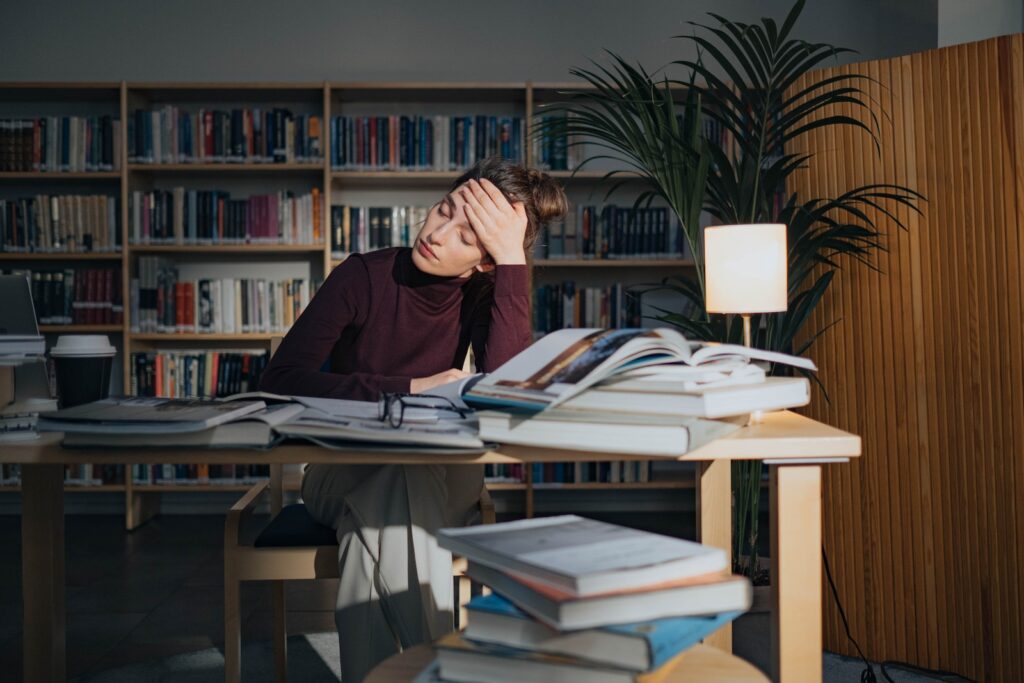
(576, 599)
(641, 391)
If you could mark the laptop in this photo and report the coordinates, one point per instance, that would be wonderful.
(18, 316)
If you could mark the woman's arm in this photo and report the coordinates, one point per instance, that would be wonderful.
(343, 300)
(505, 330)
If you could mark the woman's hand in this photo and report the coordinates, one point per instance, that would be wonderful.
(422, 384)
(499, 225)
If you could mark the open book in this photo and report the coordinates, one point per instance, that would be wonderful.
(566, 362)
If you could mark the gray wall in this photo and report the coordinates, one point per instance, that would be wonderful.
(964, 21)
(207, 40)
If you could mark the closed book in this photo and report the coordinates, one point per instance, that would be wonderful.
(654, 397)
(582, 556)
(254, 430)
(461, 660)
(137, 415)
(563, 611)
(622, 432)
(637, 646)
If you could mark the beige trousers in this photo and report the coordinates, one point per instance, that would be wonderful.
(396, 583)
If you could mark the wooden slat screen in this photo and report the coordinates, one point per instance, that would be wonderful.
(925, 533)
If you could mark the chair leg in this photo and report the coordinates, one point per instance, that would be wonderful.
(280, 635)
(232, 628)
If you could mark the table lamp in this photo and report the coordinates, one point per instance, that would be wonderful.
(746, 270)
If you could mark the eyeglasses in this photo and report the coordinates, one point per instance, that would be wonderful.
(391, 406)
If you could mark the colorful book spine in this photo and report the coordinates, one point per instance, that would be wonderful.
(175, 135)
(60, 223)
(60, 144)
(423, 143)
(162, 303)
(203, 217)
(196, 373)
(562, 305)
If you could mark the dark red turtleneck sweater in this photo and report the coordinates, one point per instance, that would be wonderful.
(383, 322)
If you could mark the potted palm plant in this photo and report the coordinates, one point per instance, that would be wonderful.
(717, 139)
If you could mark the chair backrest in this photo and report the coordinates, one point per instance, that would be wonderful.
(276, 471)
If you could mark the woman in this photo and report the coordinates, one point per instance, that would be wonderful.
(402, 320)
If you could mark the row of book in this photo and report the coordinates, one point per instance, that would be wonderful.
(615, 472)
(83, 474)
(191, 216)
(566, 304)
(577, 600)
(60, 143)
(554, 150)
(615, 232)
(60, 223)
(198, 475)
(171, 135)
(423, 143)
(85, 296)
(160, 302)
(357, 229)
(183, 374)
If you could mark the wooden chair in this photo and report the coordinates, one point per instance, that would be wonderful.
(293, 546)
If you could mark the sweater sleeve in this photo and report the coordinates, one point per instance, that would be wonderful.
(504, 330)
(295, 369)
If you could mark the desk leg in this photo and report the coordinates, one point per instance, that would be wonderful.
(714, 524)
(796, 573)
(42, 572)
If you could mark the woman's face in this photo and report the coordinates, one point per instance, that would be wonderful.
(447, 245)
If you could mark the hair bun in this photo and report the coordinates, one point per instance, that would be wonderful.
(548, 196)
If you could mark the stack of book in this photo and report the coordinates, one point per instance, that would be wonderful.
(575, 599)
(75, 296)
(641, 391)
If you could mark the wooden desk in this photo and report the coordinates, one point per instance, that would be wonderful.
(796, 446)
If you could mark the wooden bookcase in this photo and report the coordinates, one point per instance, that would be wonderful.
(325, 100)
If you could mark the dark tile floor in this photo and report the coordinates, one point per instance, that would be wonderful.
(158, 591)
(146, 595)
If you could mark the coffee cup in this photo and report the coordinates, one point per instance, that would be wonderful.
(82, 364)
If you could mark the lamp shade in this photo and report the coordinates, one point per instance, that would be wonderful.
(746, 268)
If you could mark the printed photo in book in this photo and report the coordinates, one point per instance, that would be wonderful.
(579, 359)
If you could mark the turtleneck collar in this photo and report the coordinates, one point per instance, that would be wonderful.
(433, 289)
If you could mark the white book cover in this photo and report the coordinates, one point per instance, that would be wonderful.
(582, 556)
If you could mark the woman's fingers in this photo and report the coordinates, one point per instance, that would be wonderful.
(492, 191)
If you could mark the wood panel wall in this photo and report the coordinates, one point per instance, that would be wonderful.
(925, 533)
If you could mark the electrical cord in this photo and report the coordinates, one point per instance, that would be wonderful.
(868, 675)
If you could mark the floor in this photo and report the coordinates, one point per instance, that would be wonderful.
(148, 604)
(146, 595)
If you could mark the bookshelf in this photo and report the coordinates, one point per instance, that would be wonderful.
(242, 178)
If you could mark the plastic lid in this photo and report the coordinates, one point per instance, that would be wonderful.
(82, 345)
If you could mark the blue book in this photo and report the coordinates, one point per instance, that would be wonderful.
(641, 646)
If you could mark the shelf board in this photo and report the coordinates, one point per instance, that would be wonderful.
(224, 248)
(316, 167)
(71, 329)
(193, 336)
(198, 487)
(404, 176)
(59, 175)
(77, 488)
(614, 263)
(591, 485)
(60, 256)
(592, 175)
